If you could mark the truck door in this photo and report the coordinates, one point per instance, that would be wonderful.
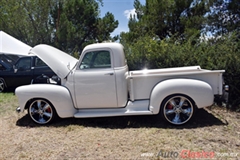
(23, 73)
(94, 80)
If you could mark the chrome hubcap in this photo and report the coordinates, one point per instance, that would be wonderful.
(40, 111)
(178, 110)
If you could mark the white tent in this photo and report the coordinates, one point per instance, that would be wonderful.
(11, 45)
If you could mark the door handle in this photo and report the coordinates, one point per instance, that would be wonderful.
(110, 74)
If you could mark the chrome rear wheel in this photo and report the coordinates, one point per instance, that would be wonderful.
(177, 109)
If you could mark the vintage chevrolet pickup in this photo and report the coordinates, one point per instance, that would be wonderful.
(100, 85)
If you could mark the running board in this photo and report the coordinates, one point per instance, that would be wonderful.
(133, 108)
(91, 114)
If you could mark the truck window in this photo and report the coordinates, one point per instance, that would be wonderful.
(39, 63)
(24, 63)
(96, 59)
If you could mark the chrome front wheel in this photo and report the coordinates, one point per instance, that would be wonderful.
(41, 111)
(177, 109)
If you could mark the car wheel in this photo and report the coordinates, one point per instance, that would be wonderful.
(2, 85)
(177, 109)
(41, 111)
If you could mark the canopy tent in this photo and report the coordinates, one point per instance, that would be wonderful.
(11, 45)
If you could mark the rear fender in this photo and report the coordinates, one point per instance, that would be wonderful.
(58, 96)
(200, 92)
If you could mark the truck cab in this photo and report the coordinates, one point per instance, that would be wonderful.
(101, 74)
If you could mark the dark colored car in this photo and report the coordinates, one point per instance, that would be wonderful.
(22, 72)
(9, 58)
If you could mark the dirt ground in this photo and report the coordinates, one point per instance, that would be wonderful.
(214, 133)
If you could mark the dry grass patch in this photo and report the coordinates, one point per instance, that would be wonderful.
(215, 130)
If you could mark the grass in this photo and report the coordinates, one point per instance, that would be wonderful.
(8, 102)
(212, 130)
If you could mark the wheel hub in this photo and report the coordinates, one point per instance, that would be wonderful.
(178, 109)
(40, 112)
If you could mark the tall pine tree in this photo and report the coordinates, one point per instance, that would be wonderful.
(167, 18)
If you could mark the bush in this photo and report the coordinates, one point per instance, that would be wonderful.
(214, 54)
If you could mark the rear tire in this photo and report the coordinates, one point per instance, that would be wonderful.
(41, 111)
(178, 109)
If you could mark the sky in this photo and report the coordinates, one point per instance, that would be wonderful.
(121, 9)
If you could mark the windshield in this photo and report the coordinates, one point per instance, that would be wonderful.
(9, 58)
(5, 64)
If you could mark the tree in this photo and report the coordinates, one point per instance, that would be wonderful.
(224, 17)
(105, 26)
(234, 8)
(27, 20)
(77, 24)
(167, 18)
(68, 25)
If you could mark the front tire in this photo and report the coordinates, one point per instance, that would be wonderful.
(41, 111)
(177, 109)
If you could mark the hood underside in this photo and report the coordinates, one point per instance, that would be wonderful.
(60, 62)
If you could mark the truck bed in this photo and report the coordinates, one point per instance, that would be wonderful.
(142, 82)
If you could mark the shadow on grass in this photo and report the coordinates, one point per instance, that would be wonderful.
(201, 119)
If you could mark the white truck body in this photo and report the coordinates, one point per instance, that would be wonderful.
(100, 85)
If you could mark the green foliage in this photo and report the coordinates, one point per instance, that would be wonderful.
(77, 24)
(26, 20)
(167, 18)
(67, 25)
(213, 54)
(170, 33)
(224, 17)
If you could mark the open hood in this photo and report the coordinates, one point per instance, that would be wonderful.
(60, 62)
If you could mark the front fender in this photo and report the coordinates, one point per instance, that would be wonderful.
(200, 92)
(58, 96)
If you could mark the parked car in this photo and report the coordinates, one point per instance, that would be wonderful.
(9, 58)
(22, 72)
(100, 85)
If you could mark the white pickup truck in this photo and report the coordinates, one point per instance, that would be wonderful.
(100, 85)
